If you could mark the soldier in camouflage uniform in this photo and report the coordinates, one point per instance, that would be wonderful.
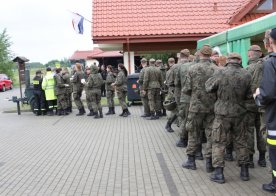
(121, 88)
(232, 87)
(151, 88)
(78, 88)
(68, 94)
(162, 68)
(201, 110)
(60, 91)
(88, 92)
(184, 101)
(95, 82)
(110, 90)
(144, 98)
(253, 116)
(170, 96)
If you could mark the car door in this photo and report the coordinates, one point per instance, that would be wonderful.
(7, 82)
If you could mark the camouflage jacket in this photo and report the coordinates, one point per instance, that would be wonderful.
(110, 78)
(184, 98)
(141, 77)
(163, 75)
(66, 78)
(232, 88)
(198, 74)
(177, 82)
(95, 80)
(152, 78)
(77, 85)
(59, 85)
(121, 81)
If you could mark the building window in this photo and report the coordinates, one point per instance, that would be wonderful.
(266, 6)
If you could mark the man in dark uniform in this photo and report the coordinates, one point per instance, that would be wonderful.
(39, 95)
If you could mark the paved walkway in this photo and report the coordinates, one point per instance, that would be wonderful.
(110, 156)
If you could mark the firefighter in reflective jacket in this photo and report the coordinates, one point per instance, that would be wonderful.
(40, 102)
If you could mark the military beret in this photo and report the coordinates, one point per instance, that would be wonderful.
(144, 60)
(185, 52)
(152, 60)
(158, 61)
(273, 34)
(234, 55)
(206, 50)
(255, 48)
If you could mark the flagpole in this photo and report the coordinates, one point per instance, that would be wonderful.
(80, 15)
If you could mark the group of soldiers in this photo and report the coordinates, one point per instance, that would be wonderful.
(53, 92)
(212, 102)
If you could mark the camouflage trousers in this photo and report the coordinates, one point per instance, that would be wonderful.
(77, 99)
(145, 102)
(254, 126)
(154, 99)
(183, 114)
(122, 99)
(69, 99)
(96, 100)
(89, 99)
(196, 125)
(62, 102)
(222, 126)
(110, 98)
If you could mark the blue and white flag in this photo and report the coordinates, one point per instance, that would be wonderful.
(78, 23)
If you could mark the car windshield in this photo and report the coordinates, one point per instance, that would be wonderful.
(2, 77)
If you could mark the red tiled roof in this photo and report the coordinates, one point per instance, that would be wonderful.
(95, 53)
(162, 17)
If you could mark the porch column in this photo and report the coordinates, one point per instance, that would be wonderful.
(126, 62)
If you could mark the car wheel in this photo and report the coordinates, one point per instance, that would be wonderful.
(11, 87)
(4, 88)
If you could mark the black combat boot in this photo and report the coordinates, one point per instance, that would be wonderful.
(152, 116)
(59, 113)
(113, 110)
(168, 127)
(81, 112)
(182, 143)
(209, 165)
(64, 112)
(217, 175)
(244, 175)
(91, 113)
(199, 155)
(159, 114)
(262, 161)
(190, 163)
(101, 113)
(145, 115)
(251, 162)
(125, 113)
(122, 113)
(70, 109)
(228, 156)
(109, 111)
(128, 113)
(96, 115)
(271, 187)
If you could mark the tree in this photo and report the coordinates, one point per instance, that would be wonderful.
(6, 64)
(63, 63)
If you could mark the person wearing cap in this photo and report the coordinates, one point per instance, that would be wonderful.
(184, 100)
(201, 110)
(78, 88)
(48, 85)
(162, 68)
(88, 91)
(170, 85)
(39, 95)
(151, 87)
(265, 96)
(110, 90)
(229, 113)
(252, 117)
(144, 98)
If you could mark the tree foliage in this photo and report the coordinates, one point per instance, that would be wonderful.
(6, 64)
(63, 63)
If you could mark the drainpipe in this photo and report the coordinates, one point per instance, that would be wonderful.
(128, 53)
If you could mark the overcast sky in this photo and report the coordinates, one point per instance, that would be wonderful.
(41, 30)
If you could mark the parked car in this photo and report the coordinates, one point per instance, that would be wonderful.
(5, 82)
